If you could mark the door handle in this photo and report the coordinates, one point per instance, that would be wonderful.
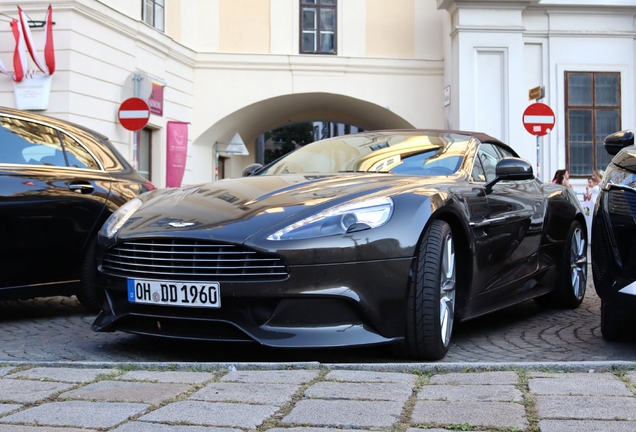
(81, 187)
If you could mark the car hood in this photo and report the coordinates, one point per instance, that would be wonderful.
(235, 209)
(626, 158)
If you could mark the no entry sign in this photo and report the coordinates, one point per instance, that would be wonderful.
(134, 114)
(538, 119)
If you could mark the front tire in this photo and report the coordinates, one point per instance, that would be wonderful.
(431, 298)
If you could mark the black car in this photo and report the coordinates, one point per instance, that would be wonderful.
(59, 182)
(373, 238)
(614, 239)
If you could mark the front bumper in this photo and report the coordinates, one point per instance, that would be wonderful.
(345, 304)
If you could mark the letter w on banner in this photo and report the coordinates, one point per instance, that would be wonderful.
(31, 88)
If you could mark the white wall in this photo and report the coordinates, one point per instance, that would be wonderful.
(489, 53)
(579, 39)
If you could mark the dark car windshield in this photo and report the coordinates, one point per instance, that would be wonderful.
(407, 153)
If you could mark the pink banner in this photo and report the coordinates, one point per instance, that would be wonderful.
(155, 101)
(177, 141)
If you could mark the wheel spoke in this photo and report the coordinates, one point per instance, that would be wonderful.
(579, 281)
(449, 258)
(578, 263)
(446, 320)
(447, 290)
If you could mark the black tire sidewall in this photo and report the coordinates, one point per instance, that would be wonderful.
(423, 333)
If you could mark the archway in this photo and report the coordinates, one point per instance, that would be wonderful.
(255, 119)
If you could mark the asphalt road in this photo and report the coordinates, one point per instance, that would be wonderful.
(58, 329)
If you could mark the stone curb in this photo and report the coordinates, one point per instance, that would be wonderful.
(313, 397)
(596, 366)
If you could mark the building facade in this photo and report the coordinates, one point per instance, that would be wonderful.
(238, 68)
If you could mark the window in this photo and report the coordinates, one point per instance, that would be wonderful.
(144, 153)
(592, 111)
(77, 155)
(478, 174)
(318, 26)
(485, 165)
(32, 143)
(489, 158)
(152, 12)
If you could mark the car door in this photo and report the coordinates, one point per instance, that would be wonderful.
(52, 191)
(511, 235)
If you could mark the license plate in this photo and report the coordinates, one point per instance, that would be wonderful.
(188, 294)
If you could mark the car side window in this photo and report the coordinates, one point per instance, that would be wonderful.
(78, 156)
(478, 174)
(24, 142)
(489, 158)
(504, 153)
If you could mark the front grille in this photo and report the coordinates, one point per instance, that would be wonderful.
(182, 328)
(621, 203)
(191, 260)
(622, 217)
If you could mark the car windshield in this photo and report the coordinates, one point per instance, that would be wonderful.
(406, 153)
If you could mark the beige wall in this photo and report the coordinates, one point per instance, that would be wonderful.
(390, 28)
(173, 19)
(244, 26)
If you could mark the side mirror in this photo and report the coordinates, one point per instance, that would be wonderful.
(511, 168)
(251, 169)
(615, 142)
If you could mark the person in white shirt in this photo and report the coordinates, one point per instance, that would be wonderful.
(589, 200)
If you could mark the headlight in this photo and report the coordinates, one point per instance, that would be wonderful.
(617, 176)
(349, 217)
(119, 218)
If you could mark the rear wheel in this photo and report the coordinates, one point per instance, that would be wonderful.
(572, 277)
(87, 293)
(431, 296)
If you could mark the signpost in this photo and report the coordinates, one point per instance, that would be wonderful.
(134, 114)
(538, 119)
(136, 85)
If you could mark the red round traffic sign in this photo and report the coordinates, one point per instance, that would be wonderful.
(539, 119)
(134, 114)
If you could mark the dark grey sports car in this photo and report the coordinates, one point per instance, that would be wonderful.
(373, 238)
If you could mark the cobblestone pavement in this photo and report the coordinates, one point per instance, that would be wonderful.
(58, 329)
(313, 399)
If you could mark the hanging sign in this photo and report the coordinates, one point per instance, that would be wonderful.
(155, 101)
(177, 142)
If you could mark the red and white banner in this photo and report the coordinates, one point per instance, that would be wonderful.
(31, 87)
(24, 42)
(177, 146)
(48, 66)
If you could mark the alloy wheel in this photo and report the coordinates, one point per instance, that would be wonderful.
(578, 263)
(447, 290)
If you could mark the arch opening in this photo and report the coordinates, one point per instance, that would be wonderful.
(254, 120)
